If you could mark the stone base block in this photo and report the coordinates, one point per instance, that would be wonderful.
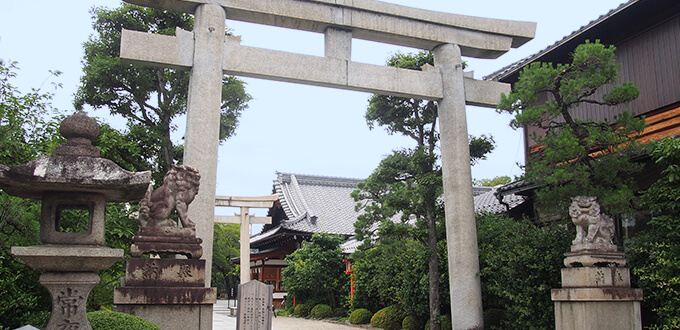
(165, 272)
(596, 277)
(145, 295)
(171, 317)
(589, 258)
(597, 308)
(188, 246)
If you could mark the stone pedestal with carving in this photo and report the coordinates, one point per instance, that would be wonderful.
(597, 298)
(596, 292)
(167, 292)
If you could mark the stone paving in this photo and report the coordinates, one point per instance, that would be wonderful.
(222, 320)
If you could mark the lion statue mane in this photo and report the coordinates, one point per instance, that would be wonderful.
(180, 186)
(592, 228)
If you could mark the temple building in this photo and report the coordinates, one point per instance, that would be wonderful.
(311, 204)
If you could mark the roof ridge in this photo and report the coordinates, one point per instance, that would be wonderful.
(298, 191)
(319, 179)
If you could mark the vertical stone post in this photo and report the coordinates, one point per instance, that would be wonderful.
(203, 119)
(461, 230)
(245, 252)
(338, 43)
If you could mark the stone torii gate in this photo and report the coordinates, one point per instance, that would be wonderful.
(245, 219)
(209, 54)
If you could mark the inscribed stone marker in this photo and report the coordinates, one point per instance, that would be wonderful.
(254, 306)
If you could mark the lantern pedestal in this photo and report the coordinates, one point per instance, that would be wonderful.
(70, 272)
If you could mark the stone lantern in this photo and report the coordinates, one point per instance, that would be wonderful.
(74, 182)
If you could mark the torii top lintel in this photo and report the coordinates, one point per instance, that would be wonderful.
(375, 21)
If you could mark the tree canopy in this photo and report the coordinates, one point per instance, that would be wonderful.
(148, 98)
(315, 272)
(579, 156)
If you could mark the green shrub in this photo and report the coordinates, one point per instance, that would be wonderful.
(389, 318)
(444, 322)
(410, 323)
(340, 312)
(321, 311)
(107, 320)
(493, 318)
(360, 316)
(38, 319)
(301, 310)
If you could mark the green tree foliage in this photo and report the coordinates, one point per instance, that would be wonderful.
(149, 98)
(315, 272)
(519, 264)
(499, 180)
(580, 156)
(409, 181)
(24, 134)
(395, 271)
(654, 254)
(225, 247)
(24, 129)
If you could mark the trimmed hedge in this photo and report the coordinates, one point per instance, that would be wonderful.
(301, 310)
(410, 323)
(108, 320)
(321, 311)
(340, 312)
(445, 323)
(389, 318)
(360, 316)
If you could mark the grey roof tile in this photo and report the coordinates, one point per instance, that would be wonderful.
(317, 203)
(323, 204)
(489, 203)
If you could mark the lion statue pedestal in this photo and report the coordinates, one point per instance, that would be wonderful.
(168, 291)
(596, 292)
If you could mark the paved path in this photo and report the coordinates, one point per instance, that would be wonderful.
(223, 321)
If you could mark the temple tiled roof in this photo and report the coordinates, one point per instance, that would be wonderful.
(314, 204)
(323, 204)
(489, 202)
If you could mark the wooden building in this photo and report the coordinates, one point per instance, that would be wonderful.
(646, 34)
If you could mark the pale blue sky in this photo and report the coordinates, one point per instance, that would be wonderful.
(288, 127)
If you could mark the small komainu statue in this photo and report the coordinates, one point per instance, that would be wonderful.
(593, 230)
(180, 186)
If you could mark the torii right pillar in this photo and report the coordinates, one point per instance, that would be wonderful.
(461, 230)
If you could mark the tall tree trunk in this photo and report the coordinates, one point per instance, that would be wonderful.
(433, 265)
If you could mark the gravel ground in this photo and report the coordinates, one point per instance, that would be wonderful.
(222, 320)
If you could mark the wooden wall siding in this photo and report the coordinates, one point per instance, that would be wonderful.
(659, 125)
(651, 61)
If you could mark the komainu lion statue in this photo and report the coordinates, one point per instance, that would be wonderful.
(592, 228)
(180, 186)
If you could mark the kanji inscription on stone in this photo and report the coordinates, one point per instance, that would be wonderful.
(254, 306)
